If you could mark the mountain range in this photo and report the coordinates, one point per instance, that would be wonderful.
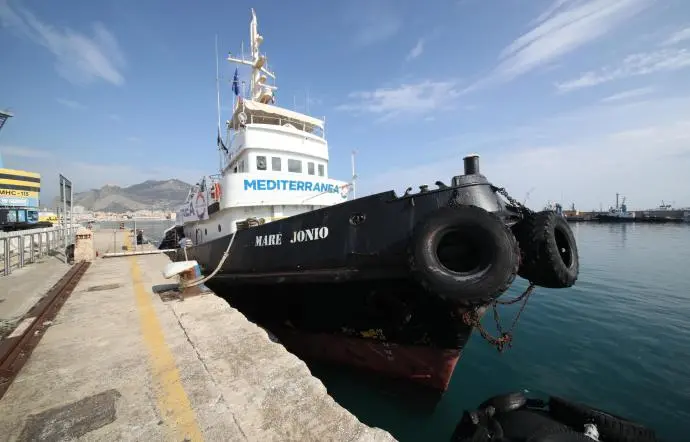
(151, 194)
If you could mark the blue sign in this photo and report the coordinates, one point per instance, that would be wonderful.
(18, 201)
(291, 185)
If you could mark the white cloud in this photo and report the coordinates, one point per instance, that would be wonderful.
(416, 51)
(79, 58)
(626, 95)
(71, 104)
(562, 28)
(406, 99)
(678, 37)
(622, 143)
(633, 65)
(24, 152)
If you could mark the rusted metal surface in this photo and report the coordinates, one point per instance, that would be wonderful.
(16, 348)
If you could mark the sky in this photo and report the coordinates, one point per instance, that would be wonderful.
(571, 101)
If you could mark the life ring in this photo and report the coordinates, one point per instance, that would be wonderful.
(344, 190)
(548, 250)
(464, 254)
(215, 192)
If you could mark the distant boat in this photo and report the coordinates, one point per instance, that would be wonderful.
(619, 213)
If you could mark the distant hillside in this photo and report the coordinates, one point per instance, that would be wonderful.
(162, 195)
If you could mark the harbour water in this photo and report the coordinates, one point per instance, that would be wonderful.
(619, 340)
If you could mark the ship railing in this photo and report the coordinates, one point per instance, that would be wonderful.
(22, 247)
(285, 121)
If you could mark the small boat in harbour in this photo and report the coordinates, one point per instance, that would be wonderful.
(617, 214)
(386, 283)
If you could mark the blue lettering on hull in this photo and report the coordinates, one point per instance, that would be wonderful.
(291, 185)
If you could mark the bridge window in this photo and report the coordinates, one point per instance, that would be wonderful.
(310, 168)
(294, 166)
(321, 169)
(275, 164)
(261, 162)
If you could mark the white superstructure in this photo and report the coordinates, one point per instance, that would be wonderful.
(275, 166)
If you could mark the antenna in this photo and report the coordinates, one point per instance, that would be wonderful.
(307, 103)
(258, 89)
(354, 175)
(220, 152)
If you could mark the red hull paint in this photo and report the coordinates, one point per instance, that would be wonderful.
(427, 366)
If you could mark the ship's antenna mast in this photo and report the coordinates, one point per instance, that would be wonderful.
(220, 150)
(354, 175)
(258, 63)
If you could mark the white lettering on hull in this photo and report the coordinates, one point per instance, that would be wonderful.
(274, 239)
(305, 235)
(312, 234)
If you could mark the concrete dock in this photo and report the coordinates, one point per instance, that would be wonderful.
(124, 360)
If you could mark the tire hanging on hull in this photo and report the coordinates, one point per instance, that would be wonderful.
(464, 254)
(548, 250)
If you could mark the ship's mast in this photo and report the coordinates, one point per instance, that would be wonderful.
(258, 89)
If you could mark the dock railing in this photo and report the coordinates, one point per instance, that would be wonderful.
(23, 247)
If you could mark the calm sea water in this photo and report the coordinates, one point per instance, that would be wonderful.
(618, 340)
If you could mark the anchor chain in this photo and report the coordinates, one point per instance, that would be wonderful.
(505, 337)
(521, 207)
(472, 318)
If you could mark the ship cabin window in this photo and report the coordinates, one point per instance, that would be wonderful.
(275, 164)
(310, 168)
(241, 166)
(261, 162)
(294, 166)
(321, 170)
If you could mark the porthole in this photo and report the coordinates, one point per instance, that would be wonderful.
(218, 227)
(205, 232)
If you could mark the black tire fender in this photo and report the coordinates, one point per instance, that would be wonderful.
(611, 427)
(464, 254)
(505, 403)
(548, 250)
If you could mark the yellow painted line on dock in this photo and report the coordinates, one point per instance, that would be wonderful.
(173, 403)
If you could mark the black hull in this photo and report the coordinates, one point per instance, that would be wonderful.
(351, 278)
(614, 219)
(367, 239)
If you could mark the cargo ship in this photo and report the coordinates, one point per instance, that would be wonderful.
(392, 284)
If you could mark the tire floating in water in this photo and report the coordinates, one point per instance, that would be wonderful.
(549, 256)
(464, 254)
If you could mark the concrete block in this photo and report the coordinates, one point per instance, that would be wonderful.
(83, 245)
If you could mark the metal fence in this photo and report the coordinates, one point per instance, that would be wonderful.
(23, 247)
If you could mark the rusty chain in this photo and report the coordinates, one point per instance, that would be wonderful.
(472, 318)
(505, 337)
(520, 207)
